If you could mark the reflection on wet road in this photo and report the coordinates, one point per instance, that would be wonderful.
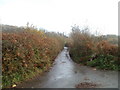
(66, 74)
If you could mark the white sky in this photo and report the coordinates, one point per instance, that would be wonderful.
(60, 15)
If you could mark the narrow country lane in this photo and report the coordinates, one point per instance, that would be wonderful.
(66, 74)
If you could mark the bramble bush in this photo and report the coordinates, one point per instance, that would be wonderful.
(26, 53)
(93, 50)
(107, 62)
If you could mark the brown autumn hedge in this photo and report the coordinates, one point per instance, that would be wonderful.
(26, 53)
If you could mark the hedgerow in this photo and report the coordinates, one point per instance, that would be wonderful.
(26, 53)
(92, 50)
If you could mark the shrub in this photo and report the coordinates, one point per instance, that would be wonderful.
(82, 44)
(93, 50)
(105, 48)
(26, 53)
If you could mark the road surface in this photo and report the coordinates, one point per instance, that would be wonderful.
(66, 74)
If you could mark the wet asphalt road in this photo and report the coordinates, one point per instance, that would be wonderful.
(66, 74)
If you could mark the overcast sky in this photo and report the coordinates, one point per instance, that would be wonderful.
(60, 15)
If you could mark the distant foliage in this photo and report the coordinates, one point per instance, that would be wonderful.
(26, 53)
(113, 39)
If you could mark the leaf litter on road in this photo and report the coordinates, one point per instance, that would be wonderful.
(87, 85)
